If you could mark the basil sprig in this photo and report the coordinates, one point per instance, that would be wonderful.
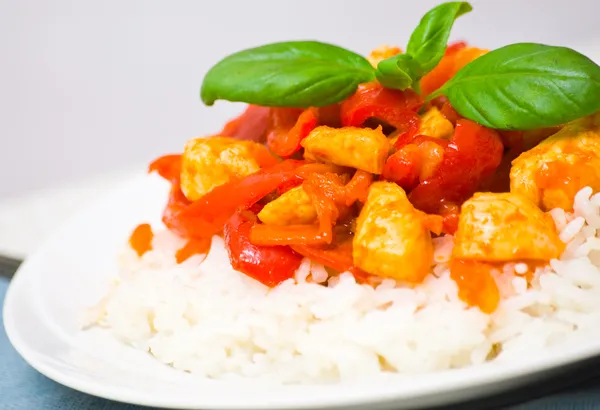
(520, 86)
(425, 48)
(428, 41)
(291, 74)
(525, 86)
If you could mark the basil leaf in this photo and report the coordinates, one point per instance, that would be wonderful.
(290, 74)
(525, 86)
(427, 43)
(396, 72)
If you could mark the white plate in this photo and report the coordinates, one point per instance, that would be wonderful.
(71, 272)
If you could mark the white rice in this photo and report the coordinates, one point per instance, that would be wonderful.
(204, 317)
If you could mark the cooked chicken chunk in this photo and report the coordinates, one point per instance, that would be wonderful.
(499, 227)
(391, 239)
(210, 162)
(434, 124)
(360, 148)
(291, 208)
(551, 173)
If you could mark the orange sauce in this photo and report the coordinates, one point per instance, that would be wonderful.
(568, 178)
(476, 284)
(191, 248)
(141, 239)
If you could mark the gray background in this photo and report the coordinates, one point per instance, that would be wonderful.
(92, 86)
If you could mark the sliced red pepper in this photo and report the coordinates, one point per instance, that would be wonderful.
(176, 203)
(337, 257)
(395, 107)
(330, 115)
(358, 187)
(251, 125)
(455, 58)
(473, 153)
(270, 265)
(450, 223)
(451, 215)
(288, 127)
(449, 113)
(328, 194)
(454, 47)
(206, 216)
(409, 131)
(404, 167)
(419, 138)
(304, 171)
(141, 239)
(414, 161)
(168, 167)
(269, 235)
(290, 184)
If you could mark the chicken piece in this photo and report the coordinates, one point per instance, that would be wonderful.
(434, 124)
(293, 207)
(381, 53)
(391, 239)
(361, 148)
(552, 173)
(210, 162)
(500, 227)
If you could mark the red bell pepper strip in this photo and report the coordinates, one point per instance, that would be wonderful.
(450, 113)
(454, 47)
(270, 265)
(251, 125)
(331, 199)
(304, 171)
(330, 116)
(455, 58)
(450, 223)
(328, 195)
(416, 159)
(358, 187)
(206, 216)
(176, 203)
(337, 257)
(269, 235)
(288, 128)
(409, 131)
(473, 153)
(372, 100)
(168, 167)
(404, 167)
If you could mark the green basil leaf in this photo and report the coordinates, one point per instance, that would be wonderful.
(396, 72)
(290, 74)
(427, 43)
(525, 86)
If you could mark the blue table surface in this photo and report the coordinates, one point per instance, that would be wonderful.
(22, 387)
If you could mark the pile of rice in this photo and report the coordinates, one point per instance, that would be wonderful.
(204, 317)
